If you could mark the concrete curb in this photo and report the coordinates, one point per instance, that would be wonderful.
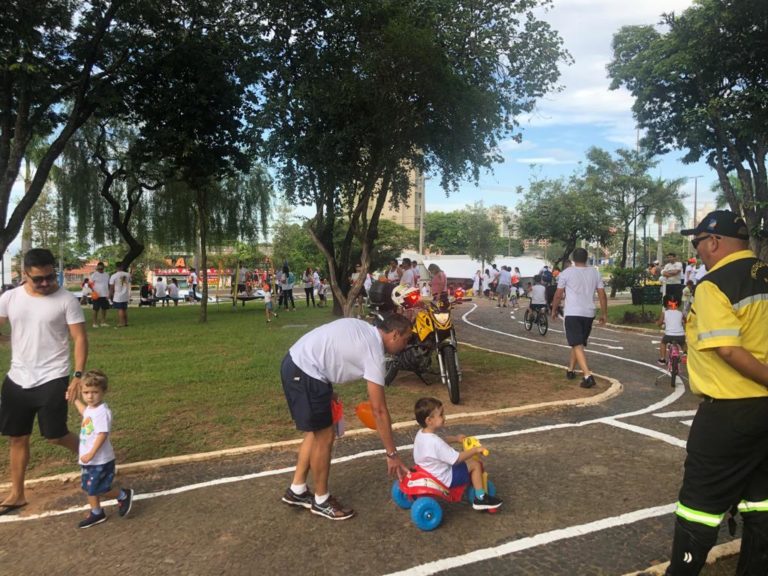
(614, 389)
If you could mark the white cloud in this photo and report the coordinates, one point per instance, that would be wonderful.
(544, 160)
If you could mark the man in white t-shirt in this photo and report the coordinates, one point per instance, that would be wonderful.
(342, 351)
(120, 293)
(579, 283)
(672, 277)
(100, 285)
(161, 291)
(408, 278)
(43, 318)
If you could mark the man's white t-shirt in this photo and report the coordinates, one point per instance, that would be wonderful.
(408, 278)
(341, 351)
(538, 294)
(505, 277)
(435, 455)
(192, 278)
(101, 283)
(677, 268)
(161, 288)
(173, 290)
(580, 283)
(39, 334)
(701, 271)
(121, 280)
(96, 420)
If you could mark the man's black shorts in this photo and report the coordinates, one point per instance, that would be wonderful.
(309, 400)
(101, 303)
(577, 330)
(18, 407)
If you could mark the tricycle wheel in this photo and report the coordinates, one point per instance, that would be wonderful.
(399, 497)
(426, 513)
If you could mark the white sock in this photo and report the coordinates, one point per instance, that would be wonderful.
(298, 489)
(320, 500)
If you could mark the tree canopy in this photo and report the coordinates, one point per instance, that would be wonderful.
(699, 85)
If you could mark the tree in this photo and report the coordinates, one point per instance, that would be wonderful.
(446, 232)
(700, 86)
(566, 212)
(624, 183)
(666, 201)
(362, 93)
(482, 234)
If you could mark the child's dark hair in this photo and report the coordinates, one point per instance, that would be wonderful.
(95, 378)
(424, 408)
(670, 302)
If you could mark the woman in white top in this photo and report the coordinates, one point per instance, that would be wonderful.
(477, 283)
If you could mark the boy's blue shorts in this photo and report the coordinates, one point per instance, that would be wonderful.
(97, 479)
(460, 475)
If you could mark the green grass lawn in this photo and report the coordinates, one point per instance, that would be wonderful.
(178, 386)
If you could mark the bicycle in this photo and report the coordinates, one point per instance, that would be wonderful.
(538, 317)
(675, 357)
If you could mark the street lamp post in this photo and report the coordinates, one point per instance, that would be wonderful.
(695, 202)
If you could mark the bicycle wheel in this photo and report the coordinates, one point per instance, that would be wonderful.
(528, 319)
(451, 367)
(674, 366)
(543, 323)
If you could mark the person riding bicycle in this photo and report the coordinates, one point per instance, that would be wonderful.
(538, 295)
(673, 321)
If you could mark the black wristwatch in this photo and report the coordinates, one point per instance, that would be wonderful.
(78, 374)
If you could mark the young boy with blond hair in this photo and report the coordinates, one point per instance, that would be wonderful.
(97, 457)
(436, 456)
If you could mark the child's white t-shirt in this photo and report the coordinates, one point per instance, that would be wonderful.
(538, 294)
(435, 455)
(673, 323)
(96, 420)
(267, 297)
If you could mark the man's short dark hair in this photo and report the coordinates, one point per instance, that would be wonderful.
(396, 322)
(672, 254)
(424, 408)
(39, 257)
(580, 256)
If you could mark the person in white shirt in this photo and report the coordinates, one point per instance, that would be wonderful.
(672, 275)
(44, 318)
(120, 293)
(161, 291)
(97, 457)
(342, 351)
(173, 291)
(449, 466)
(538, 295)
(579, 283)
(408, 277)
(673, 321)
(100, 295)
(192, 281)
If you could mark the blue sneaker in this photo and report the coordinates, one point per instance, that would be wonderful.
(124, 506)
(93, 519)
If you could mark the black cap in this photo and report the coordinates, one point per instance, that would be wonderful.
(721, 223)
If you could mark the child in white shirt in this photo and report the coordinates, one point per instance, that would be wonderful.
(451, 467)
(674, 327)
(97, 457)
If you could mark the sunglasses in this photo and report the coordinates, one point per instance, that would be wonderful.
(50, 278)
(696, 241)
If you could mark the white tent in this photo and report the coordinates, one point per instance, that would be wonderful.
(465, 267)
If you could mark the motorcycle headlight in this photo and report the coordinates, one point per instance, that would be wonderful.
(442, 317)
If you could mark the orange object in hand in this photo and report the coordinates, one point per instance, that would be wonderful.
(364, 412)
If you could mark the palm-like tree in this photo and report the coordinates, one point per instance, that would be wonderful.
(666, 201)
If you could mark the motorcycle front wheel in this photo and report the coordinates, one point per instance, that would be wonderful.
(391, 369)
(451, 368)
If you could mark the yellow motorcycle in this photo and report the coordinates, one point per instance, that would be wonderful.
(433, 336)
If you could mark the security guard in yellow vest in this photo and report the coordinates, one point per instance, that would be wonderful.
(727, 452)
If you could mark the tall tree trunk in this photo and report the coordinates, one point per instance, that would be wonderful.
(202, 227)
(659, 247)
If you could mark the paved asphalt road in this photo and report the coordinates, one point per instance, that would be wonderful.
(588, 491)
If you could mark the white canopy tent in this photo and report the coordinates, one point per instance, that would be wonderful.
(464, 267)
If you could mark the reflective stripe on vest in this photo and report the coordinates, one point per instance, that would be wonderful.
(745, 506)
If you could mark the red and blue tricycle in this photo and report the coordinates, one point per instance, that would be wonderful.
(420, 492)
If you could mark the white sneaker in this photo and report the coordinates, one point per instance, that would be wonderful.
(95, 325)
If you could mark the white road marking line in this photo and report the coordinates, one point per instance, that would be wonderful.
(676, 414)
(673, 440)
(687, 422)
(535, 541)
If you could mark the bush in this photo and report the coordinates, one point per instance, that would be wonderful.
(624, 278)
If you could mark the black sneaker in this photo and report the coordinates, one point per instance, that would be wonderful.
(487, 502)
(124, 506)
(588, 382)
(570, 374)
(332, 509)
(93, 519)
(304, 500)
(662, 362)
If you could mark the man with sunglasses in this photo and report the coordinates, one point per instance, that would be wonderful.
(727, 451)
(43, 318)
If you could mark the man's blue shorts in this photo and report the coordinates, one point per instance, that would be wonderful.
(97, 479)
(309, 399)
(460, 475)
(120, 305)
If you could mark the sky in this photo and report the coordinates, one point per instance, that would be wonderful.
(557, 135)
